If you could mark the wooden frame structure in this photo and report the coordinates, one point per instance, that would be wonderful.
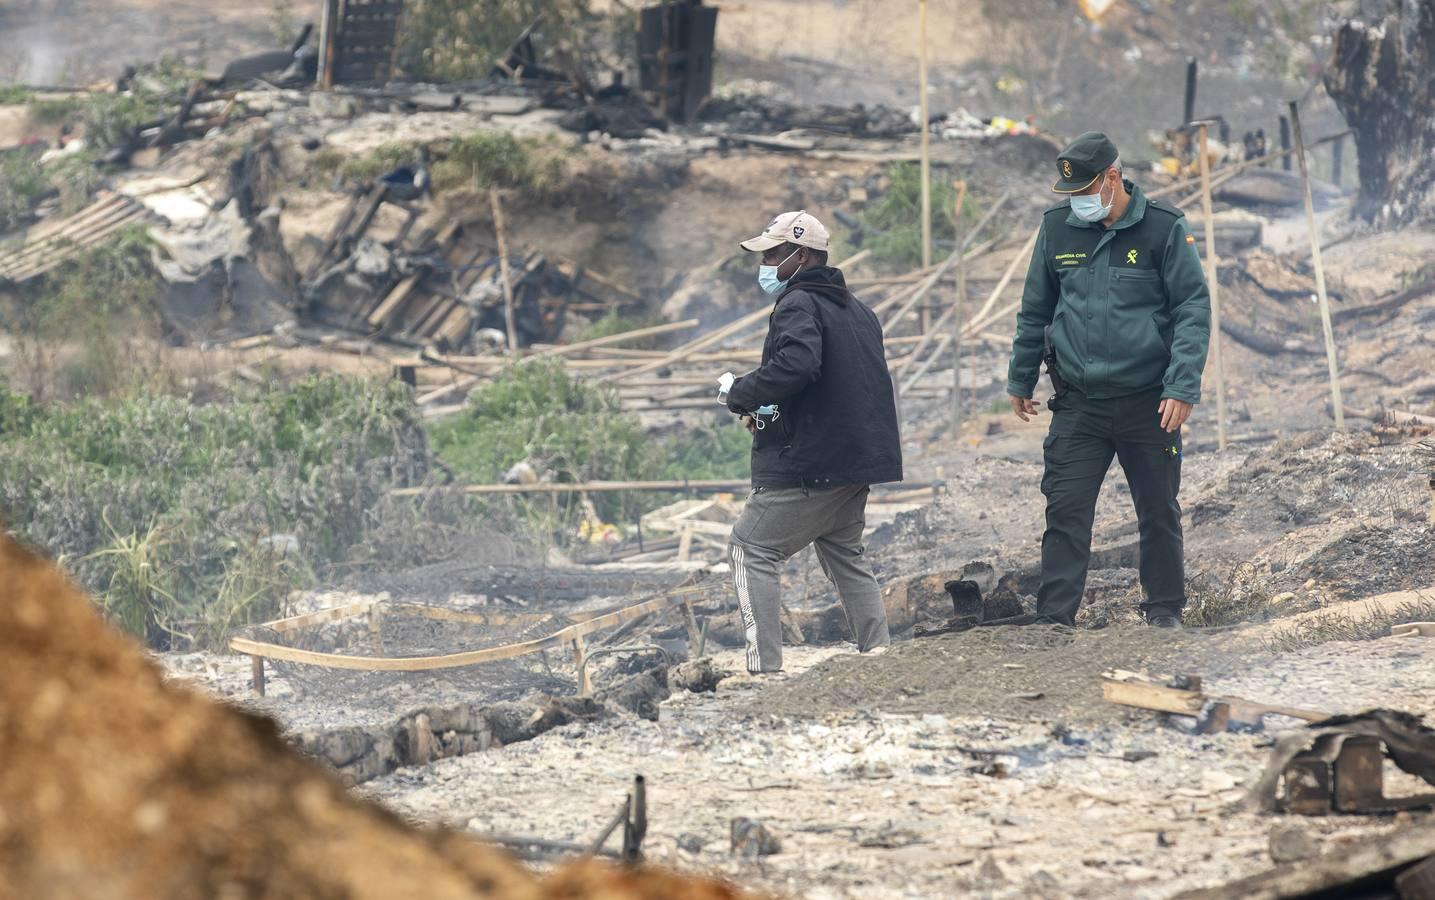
(572, 633)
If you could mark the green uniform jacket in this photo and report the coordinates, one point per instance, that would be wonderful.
(1128, 305)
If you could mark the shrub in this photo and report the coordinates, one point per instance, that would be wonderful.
(457, 40)
(618, 323)
(90, 306)
(488, 159)
(22, 185)
(188, 520)
(572, 431)
(894, 224)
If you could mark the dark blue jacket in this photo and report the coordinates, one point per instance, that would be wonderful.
(824, 368)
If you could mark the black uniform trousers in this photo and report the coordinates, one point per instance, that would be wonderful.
(1085, 434)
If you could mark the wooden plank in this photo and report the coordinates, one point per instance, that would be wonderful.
(63, 245)
(52, 227)
(456, 324)
(635, 334)
(338, 613)
(1157, 697)
(472, 657)
(379, 317)
(1413, 629)
(444, 614)
(688, 526)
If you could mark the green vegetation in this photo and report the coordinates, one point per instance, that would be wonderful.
(188, 520)
(88, 307)
(488, 159)
(571, 431)
(106, 119)
(457, 40)
(894, 224)
(22, 185)
(477, 161)
(13, 95)
(617, 323)
(371, 165)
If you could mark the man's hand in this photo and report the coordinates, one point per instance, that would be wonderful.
(1025, 408)
(750, 424)
(1174, 414)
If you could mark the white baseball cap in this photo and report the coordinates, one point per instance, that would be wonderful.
(800, 228)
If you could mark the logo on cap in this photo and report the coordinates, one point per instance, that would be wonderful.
(1066, 167)
(797, 231)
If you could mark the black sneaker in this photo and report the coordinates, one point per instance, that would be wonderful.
(1165, 621)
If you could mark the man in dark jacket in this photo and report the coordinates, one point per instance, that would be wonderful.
(1116, 287)
(824, 421)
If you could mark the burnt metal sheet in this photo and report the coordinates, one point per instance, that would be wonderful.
(1338, 765)
(675, 56)
(359, 41)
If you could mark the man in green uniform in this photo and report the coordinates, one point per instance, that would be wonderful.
(1116, 286)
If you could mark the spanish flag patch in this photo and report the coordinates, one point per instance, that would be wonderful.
(1190, 239)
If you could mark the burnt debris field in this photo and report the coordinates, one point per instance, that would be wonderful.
(367, 498)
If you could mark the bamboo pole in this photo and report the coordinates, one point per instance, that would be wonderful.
(1214, 287)
(957, 413)
(984, 316)
(706, 486)
(502, 236)
(854, 260)
(1331, 362)
(651, 331)
(926, 141)
(687, 350)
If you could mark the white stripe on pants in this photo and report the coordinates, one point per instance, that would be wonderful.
(775, 525)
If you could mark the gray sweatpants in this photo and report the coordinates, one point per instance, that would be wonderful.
(775, 525)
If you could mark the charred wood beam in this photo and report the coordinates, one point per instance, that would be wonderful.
(1379, 77)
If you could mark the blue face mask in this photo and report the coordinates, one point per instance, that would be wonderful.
(1089, 208)
(767, 276)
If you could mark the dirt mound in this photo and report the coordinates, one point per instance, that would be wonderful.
(119, 785)
(999, 671)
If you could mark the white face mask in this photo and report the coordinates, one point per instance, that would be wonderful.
(1090, 208)
(767, 276)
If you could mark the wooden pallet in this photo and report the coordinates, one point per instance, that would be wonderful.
(53, 241)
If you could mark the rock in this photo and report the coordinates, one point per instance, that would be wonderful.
(751, 839)
(698, 675)
(1291, 843)
(1043, 884)
(690, 843)
(1283, 599)
(419, 747)
(990, 872)
(639, 694)
(332, 106)
(1216, 781)
(1139, 873)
